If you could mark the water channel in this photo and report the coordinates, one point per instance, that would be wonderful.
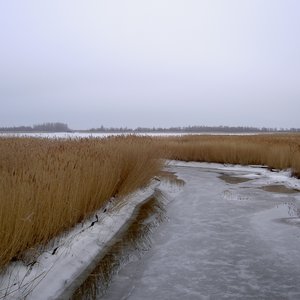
(224, 234)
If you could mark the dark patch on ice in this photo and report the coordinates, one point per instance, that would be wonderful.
(279, 189)
(295, 221)
(233, 179)
(54, 251)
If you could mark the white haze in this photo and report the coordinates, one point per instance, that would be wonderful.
(150, 63)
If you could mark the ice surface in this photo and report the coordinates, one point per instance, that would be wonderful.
(222, 241)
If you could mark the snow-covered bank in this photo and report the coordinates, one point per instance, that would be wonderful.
(61, 266)
(261, 174)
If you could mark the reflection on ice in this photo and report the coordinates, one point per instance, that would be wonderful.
(290, 214)
(129, 245)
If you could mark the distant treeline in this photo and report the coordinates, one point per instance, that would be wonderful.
(62, 127)
(45, 127)
(193, 129)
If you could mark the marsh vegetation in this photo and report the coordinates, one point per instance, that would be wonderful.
(278, 151)
(49, 185)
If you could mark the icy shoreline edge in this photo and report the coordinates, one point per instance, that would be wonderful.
(58, 272)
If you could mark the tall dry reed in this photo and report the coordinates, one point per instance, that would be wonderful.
(47, 186)
(278, 151)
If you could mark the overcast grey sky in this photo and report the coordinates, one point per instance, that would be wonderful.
(150, 63)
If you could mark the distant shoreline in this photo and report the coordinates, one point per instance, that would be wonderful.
(59, 127)
(149, 132)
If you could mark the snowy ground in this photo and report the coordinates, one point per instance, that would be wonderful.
(222, 241)
(73, 135)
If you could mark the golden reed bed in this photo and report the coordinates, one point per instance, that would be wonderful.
(48, 185)
(280, 151)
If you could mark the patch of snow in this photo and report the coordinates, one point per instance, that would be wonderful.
(264, 175)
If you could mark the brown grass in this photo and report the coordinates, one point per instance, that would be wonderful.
(276, 151)
(47, 186)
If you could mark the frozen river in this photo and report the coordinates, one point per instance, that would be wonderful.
(232, 233)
